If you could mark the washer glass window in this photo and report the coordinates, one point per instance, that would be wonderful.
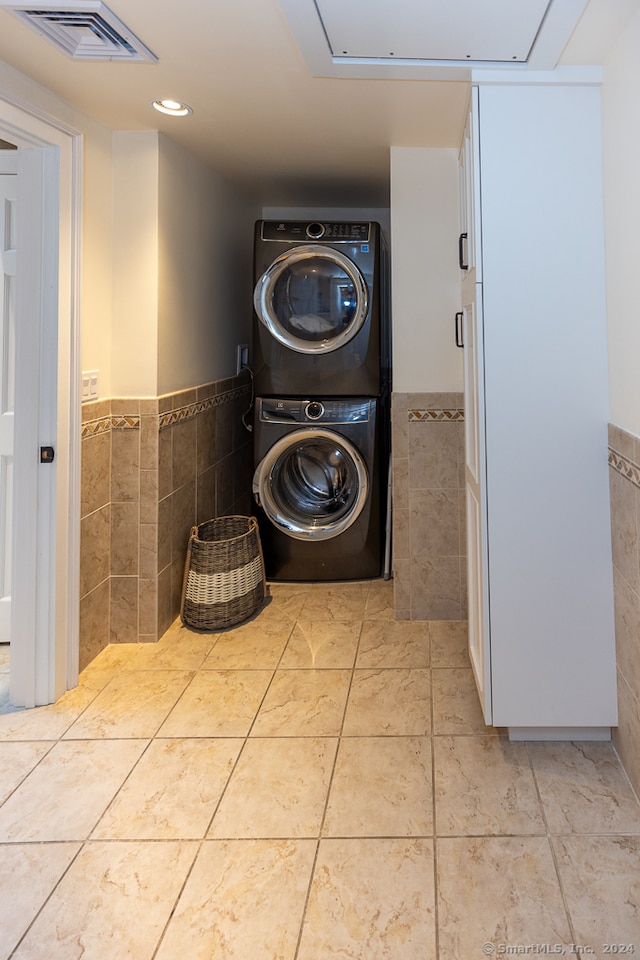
(313, 486)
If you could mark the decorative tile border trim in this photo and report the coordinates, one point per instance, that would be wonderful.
(93, 428)
(434, 416)
(626, 467)
(125, 422)
(192, 410)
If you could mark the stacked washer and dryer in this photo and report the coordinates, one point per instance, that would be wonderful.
(322, 370)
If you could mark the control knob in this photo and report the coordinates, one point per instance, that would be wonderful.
(315, 230)
(314, 410)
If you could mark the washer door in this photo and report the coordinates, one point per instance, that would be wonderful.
(312, 484)
(312, 299)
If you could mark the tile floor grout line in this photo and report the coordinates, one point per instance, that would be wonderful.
(313, 835)
(340, 737)
(436, 919)
(30, 771)
(65, 731)
(110, 802)
(246, 736)
(624, 771)
(148, 736)
(261, 704)
(81, 846)
(175, 704)
(326, 803)
(226, 787)
(305, 905)
(177, 900)
(565, 902)
(551, 845)
(285, 646)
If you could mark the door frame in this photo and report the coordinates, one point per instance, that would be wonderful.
(8, 186)
(46, 540)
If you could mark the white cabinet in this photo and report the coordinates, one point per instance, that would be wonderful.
(469, 250)
(536, 399)
(476, 495)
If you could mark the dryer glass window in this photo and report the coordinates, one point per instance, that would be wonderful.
(315, 299)
(315, 482)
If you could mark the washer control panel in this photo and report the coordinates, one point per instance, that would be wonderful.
(303, 230)
(315, 411)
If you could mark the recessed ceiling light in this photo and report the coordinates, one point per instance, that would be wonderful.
(174, 108)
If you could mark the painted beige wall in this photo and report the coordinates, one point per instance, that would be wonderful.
(97, 227)
(182, 261)
(621, 138)
(205, 258)
(426, 279)
(134, 326)
(96, 216)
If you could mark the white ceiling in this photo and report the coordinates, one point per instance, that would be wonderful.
(261, 118)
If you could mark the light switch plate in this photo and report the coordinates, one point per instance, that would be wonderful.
(242, 357)
(89, 385)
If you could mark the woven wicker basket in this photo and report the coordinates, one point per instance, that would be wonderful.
(223, 574)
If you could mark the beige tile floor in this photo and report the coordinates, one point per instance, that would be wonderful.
(317, 783)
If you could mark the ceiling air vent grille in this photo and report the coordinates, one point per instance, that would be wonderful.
(83, 29)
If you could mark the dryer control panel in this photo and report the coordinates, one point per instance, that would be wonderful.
(303, 230)
(314, 411)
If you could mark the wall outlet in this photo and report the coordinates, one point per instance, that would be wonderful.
(242, 357)
(89, 385)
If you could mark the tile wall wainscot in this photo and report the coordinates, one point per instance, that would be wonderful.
(429, 536)
(151, 469)
(624, 478)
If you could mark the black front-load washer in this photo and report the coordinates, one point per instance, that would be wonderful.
(321, 320)
(320, 466)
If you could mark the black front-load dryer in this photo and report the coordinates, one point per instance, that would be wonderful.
(320, 309)
(319, 467)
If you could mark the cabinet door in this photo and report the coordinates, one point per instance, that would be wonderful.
(463, 190)
(475, 482)
(469, 173)
(545, 361)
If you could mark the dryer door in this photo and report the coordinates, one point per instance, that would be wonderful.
(312, 299)
(312, 484)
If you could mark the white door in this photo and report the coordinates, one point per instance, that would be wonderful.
(8, 183)
(476, 498)
(46, 497)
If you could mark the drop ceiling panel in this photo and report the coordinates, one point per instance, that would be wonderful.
(494, 30)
